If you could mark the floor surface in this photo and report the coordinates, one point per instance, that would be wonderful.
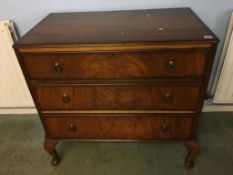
(22, 153)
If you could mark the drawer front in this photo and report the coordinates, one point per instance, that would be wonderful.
(118, 97)
(118, 65)
(125, 127)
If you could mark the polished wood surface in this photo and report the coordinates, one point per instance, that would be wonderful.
(120, 128)
(193, 148)
(133, 26)
(83, 48)
(123, 75)
(118, 97)
(179, 63)
(49, 146)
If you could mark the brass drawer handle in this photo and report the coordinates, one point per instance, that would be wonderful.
(170, 66)
(168, 97)
(65, 98)
(57, 67)
(72, 127)
(164, 128)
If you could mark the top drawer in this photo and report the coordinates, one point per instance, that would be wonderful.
(182, 63)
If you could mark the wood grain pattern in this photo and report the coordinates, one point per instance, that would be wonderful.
(118, 97)
(129, 128)
(117, 65)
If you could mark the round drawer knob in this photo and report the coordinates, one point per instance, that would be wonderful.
(168, 97)
(65, 98)
(170, 66)
(57, 67)
(72, 127)
(164, 128)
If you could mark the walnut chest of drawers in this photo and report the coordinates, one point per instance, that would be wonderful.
(126, 75)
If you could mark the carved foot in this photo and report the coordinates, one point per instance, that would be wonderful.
(50, 147)
(192, 147)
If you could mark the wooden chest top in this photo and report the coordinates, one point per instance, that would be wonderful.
(119, 27)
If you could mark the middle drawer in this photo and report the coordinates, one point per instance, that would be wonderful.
(117, 97)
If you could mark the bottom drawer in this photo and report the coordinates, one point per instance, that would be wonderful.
(119, 127)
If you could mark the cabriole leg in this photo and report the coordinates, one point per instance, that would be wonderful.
(192, 146)
(50, 147)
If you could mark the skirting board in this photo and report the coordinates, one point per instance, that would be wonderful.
(206, 108)
(217, 108)
(18, 111)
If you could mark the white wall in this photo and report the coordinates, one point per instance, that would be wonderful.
(26, 13)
